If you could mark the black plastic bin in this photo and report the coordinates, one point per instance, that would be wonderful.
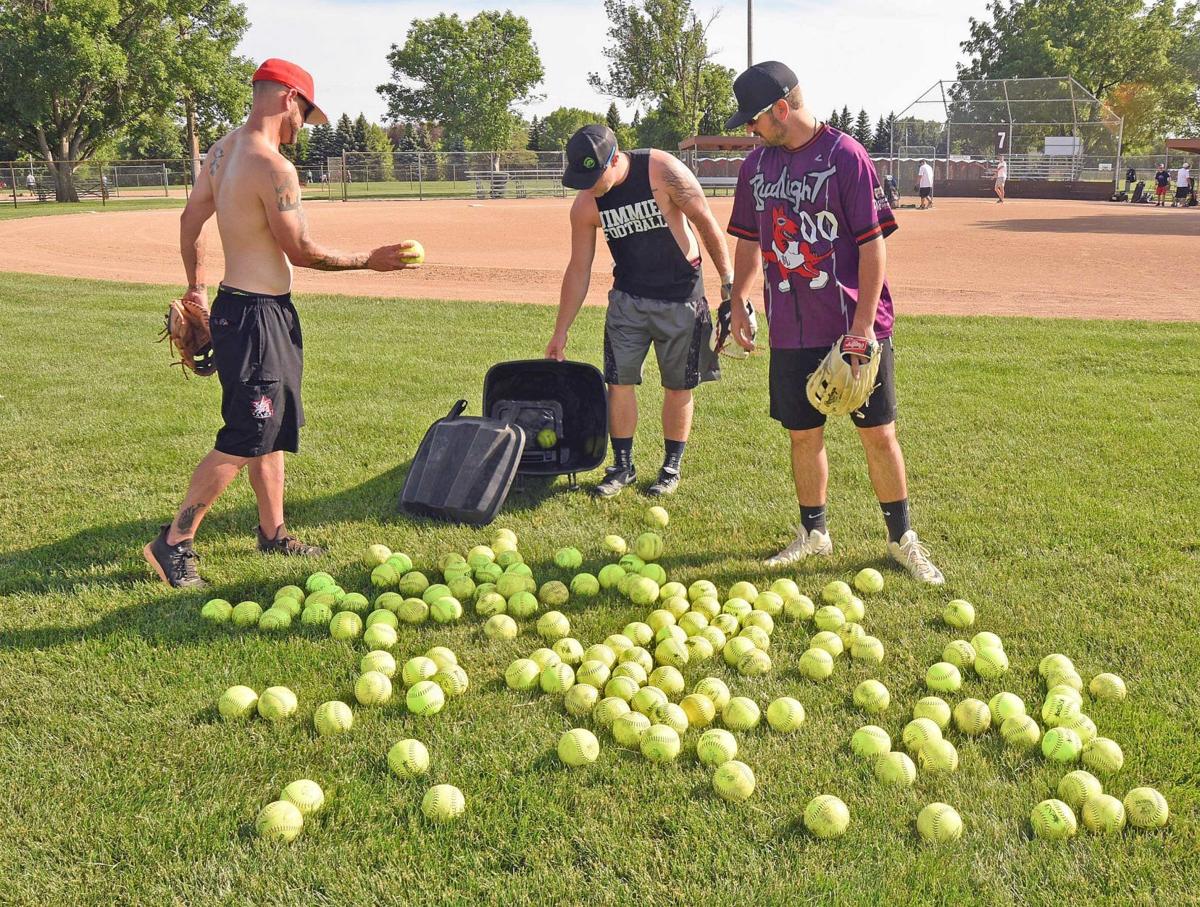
(568, 398)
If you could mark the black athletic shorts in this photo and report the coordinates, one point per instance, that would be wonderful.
(260, 360)
(926, 192)
(789, 401)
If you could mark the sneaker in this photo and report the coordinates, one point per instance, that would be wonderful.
(667, 482)
(287, 544)
(174, 564)
(807, 544)
(615, 479)
(910, 554)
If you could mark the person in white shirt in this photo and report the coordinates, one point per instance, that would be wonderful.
(925, 185)
(1001, 176)
(1183, 185)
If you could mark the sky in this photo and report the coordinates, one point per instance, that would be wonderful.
(874, 54)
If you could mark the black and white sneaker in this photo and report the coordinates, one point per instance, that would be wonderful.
(286, 544)
(615, 479)
(667, 482)
(174, 564)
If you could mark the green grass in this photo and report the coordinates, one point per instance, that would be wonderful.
(48, 209)
(1053, 468)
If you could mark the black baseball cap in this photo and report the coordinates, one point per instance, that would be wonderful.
(758, 88)
(589, 151)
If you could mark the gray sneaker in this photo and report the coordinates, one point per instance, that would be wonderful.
(616, 478)
(666, 483)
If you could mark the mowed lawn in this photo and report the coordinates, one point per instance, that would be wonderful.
(1053, 468)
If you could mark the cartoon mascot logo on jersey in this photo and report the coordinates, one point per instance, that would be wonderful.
(793, 255)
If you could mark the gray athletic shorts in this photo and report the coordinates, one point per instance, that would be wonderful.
(680, 332)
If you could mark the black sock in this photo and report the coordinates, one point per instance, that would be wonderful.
(813, 518)
(622, 452)
(896, 515)
(674, 457)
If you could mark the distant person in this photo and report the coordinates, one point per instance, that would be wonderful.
(1162, 179)
(891, 190)
(655, 218)
(1001, 177)
(1183, 185)
(925, 185)
(256, 338)
(30, 181)
(1130, 179)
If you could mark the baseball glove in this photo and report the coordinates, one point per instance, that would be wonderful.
(832, 389)
(186, 330)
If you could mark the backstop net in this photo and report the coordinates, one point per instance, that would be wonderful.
(1049, 129)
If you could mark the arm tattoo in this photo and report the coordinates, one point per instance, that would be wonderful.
(187, 517)
(681, 190)
(217, 154)
(287, 191)
(339, 261)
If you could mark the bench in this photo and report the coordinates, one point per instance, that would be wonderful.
(717, 182)
(524, 183)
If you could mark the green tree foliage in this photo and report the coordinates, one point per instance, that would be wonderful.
(343, 136)
(534, 142)
(320, 146)
(846, 120)
(1127, 52)
(880, 139)
(658, 53)
(77, 73)
(613, 117)
(862, 129)
(379, 149)
(358, 134)
(559, 125)
(470, 76)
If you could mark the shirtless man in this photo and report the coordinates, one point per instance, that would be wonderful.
(647, 203)
(256, 338)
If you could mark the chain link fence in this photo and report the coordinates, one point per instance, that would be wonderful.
(530, 174)
(442, 174)
(96, 180)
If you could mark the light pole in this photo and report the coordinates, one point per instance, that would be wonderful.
(750, 33)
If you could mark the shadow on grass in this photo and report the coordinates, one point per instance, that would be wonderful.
(112, 553)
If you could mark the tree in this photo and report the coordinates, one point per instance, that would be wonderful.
(862, 129)
(658, 53)
(559, 125)
(343, 136)
(358, 140)
(881, 139)
(320, 148)
(1118, 50)
(613, 118)
(469, 76)
(75, 74)
(379, 151)
(535, 135)
(845, 120)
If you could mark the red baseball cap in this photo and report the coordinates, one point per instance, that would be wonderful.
(291, 75)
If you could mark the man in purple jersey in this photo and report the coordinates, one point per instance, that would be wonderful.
(809, 210)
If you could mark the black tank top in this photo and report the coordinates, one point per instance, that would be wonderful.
(646, 258)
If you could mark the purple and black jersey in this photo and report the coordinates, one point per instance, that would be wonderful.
(809, 210)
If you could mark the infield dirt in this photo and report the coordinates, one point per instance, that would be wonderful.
(964, 256)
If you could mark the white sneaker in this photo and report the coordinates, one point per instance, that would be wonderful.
(807, 544)
(910, 554)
